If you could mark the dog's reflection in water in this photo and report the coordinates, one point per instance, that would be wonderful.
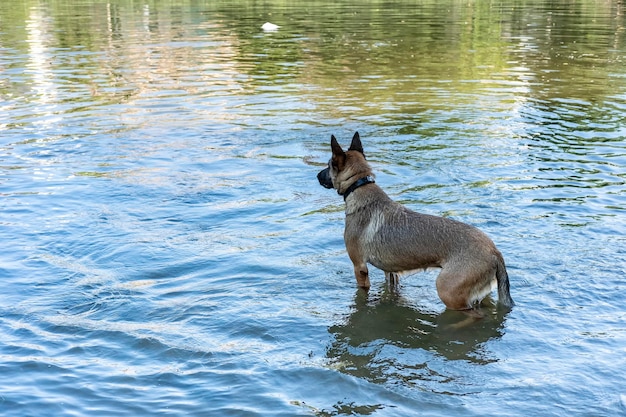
(385, 337)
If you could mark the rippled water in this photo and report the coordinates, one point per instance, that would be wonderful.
(168, 250)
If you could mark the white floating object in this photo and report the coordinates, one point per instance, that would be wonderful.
(269, 27)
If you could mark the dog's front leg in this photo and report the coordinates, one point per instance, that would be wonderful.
(393, 279)
(362, 275)
(358, 260)
(360, 270)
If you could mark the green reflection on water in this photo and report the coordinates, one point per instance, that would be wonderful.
(408, 53)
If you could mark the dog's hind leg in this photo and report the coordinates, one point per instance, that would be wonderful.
(453, 289)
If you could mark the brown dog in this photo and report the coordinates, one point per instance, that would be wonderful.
(382, 232)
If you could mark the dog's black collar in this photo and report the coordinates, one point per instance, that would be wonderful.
(359, 183)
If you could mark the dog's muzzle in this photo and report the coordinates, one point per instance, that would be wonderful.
(324, 178)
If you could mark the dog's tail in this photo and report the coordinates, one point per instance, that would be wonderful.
(504, 295)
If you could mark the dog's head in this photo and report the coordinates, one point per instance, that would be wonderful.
(344, 168)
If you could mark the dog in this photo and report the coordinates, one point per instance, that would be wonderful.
(399, 241)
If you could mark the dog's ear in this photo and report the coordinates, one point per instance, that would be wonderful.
(339, 156)
(356, 144)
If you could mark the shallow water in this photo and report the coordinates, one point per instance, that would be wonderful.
(168, 250)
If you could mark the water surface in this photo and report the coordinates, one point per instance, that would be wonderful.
(167, 249)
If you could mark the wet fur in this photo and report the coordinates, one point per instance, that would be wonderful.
(384, 233)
